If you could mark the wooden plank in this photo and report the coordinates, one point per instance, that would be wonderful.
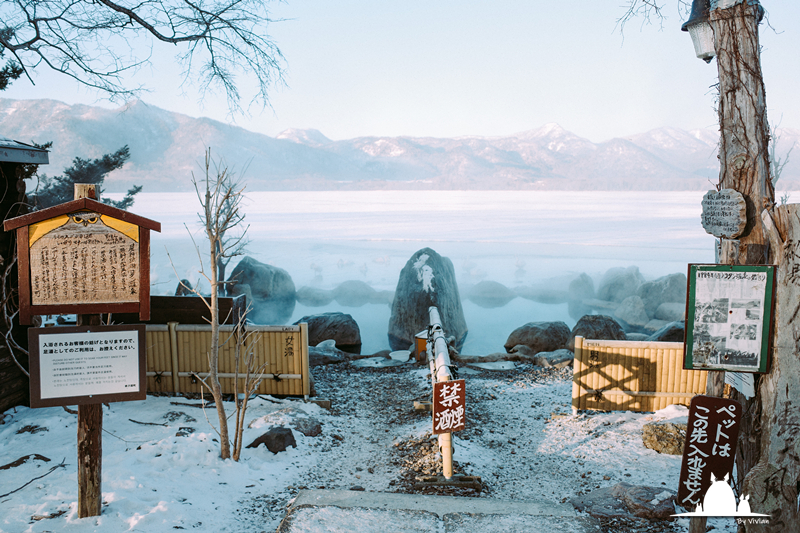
(24, 277)
(144, 274)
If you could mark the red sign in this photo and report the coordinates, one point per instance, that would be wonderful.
(710, 447)
(449, 406)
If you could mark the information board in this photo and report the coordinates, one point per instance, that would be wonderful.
(87, 364)
(729, 317)
(724, 213)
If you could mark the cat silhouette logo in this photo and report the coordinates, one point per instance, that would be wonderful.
(720, 501)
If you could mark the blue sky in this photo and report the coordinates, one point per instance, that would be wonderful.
(465, 67)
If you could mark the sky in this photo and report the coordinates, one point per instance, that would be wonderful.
(449, 68)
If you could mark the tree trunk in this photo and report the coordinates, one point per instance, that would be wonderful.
(213, 363)
(744, 166)
(774, 482)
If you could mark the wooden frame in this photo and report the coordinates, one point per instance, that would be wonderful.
(22, 224)
(729, 311)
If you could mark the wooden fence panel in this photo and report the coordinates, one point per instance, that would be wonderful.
(632, 376)
(183, 349)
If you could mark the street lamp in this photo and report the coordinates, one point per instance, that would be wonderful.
(700, 30)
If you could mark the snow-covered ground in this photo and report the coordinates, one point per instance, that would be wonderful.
(522, 440)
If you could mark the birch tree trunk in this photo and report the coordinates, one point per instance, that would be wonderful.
(774, 482)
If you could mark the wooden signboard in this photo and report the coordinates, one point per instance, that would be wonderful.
(449, 406)
(729, 317)
(83, 257)
(724, 213)
(711, 437)
(87, 365)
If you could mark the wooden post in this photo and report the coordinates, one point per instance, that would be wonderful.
(90, 424)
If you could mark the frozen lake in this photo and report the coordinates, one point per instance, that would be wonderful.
(323, 238)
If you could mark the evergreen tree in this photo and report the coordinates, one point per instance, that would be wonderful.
(60, 189)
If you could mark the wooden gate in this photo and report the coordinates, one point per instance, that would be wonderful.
(632, 376)
(176, 352)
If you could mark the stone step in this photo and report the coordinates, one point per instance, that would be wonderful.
(349, 511)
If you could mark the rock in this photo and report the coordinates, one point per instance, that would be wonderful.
(276, 439)
(580, 288)
(670, 288)
(597, 327)
(427, 279)
(326, 353)
(308, 426)
(664, 437)
(619, 283)
(539, 336)
(637, 336)
(337, 326)
(672, 332)
(269, 289)
(184, 432)
(522, 350)
(490, 294)
(627, 501)
(559, 358)
(670, 311)
(631, 313)
(542, 295)
(354, 293)
(184, 288)
(654, 325)
(313, 297)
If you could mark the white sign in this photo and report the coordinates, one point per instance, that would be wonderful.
(88, 363)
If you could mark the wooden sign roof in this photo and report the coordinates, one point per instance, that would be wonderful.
(77, 205)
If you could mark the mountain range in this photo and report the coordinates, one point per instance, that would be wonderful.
(167, 147)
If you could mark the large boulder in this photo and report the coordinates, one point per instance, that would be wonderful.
(427, 279)
(631, 314)
(597, 327)
(490, 294)
(672, 332)
(671, 311)
(269, 289)
(276, 440)
(340, 327)
(354, 293)
(670, 288)
(580, 289)
(539, 336)
(326, 353)
(618, 283)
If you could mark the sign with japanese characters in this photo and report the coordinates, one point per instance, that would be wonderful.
(710, 447)
(449, 406)
(87, 364)
(84, 257)
(724, 213)
(729, 317)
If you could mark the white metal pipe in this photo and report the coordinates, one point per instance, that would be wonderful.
(446, 446)
(441, 355)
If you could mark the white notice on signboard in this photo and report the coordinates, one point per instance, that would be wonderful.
(88, 363)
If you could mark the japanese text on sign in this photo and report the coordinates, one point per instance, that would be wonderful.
(449, 406)
(710, 447)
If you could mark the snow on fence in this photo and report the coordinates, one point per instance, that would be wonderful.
(175, 352)
(632, 376)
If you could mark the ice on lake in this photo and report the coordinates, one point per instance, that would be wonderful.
(323, 238)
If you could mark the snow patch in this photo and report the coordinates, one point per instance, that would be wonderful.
(424, 273)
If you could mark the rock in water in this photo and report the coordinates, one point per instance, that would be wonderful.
(339, 327)
(539, 336)
(269, 289)
(490, 294)
(667, 289)
(672, 332)
(427, 279)
(618, 283)
(580, 289)
(597, 327)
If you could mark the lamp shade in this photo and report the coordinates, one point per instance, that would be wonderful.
(700, 30)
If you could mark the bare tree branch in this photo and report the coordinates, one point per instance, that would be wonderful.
(98, 42)
(649, 11)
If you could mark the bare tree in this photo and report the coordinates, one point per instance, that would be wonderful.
(220, 199)
(98, 42)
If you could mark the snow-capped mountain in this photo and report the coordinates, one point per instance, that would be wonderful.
(166, 148)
